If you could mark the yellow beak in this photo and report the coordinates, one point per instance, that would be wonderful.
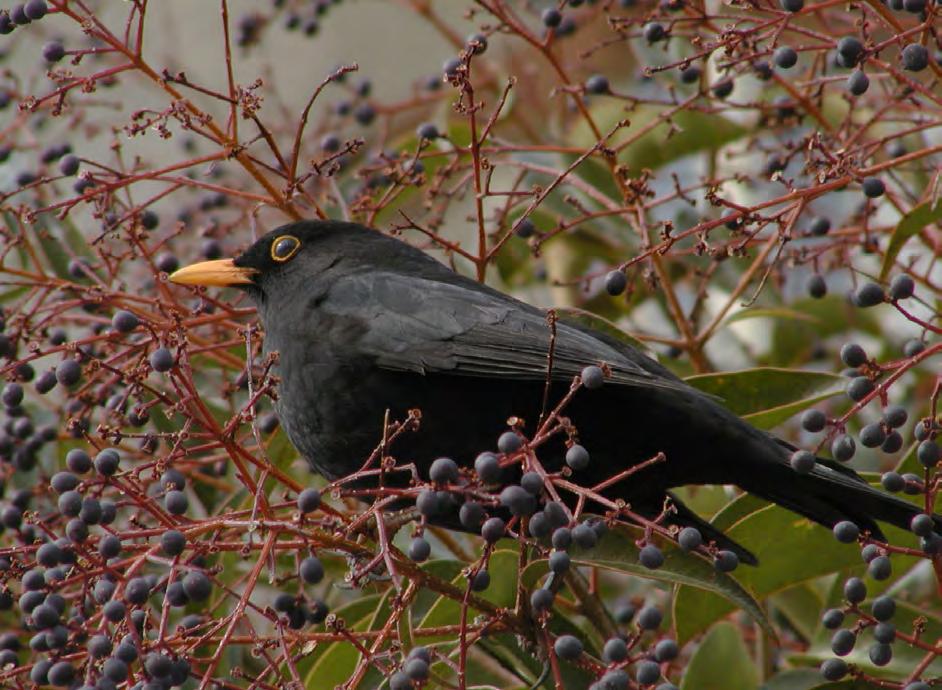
(219, 273)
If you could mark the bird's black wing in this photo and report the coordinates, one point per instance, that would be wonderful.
(460, 327)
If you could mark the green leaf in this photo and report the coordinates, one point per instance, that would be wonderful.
(810, 679)
(333, 663)
(918, 217)
(793, 341)
(693, 132)
(767, 396)
(586, 319)
(775, 536)
(617, 551)
(801, 605)
(905, 658)
(502, 592)
(721, 661)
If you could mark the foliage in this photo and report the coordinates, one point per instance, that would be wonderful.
(662, 172)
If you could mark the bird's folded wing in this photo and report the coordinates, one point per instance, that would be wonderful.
(428, 326)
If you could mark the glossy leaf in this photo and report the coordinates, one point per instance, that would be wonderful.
(617, 551)
(767, 396)
(721, 661)
(912, 223)
(774, 535)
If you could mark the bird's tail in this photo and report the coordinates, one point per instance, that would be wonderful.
(831, 493)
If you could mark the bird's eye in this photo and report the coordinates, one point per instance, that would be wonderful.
(284, 247)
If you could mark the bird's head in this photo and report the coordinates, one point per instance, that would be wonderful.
(283, 260)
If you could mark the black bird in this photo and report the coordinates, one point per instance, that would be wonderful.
(365, 323)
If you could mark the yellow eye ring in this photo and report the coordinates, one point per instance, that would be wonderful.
(284, 247)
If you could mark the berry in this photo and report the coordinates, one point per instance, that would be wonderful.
(584, 536)
(551, 17)
(872, 435)
(427, 131)
(444, 471)
(915, 57)
(843, 448)
(509, 442)
(792, 5)
(61, 674)
(176, 502)
(873, 188)
(364, 114)
(197, 586)
(802, 461)
(833, 669)
(517, 500)
(858, 82)
(851, 50)
(471, 515)
(666, 650)
(921, 525)
(99, 646)
(556, 514)
(172, 542)
(614, 651)
(36, 9)
(46, 382)
(651, 557)
(843, 641)
(689, 538)
(559, 562)
(859, 388)
(654, 32)
(649, 618)
(895, 416)
(832, 619)
(567, 647)
(149, 219)
(532, 482)
(541, 600)
(846, 532)
(853, 355)
(525, 228)
(158, 665)
(902, 287)
(813, 420)
(726, 561)
(481, 581)
(309, 500)
(597, 83)
(880, 654)
(166, 262)
(592, 377)
(893, 442)
(819, 226)
(577, 457)
(419, 550)
(884, 633)
(493, 529)
(477, 43)
(53, 52)
(892, 481)
(539, 526)
(722, 88)
(161, 360)
(928, 454)
(68, 372)
(615, 283)
(785, 57)
(690, 75)
(647, 672)
(562, 538)
(816, 286)
(124, 321)
(855, 591)
(488, 468)
(109, 546)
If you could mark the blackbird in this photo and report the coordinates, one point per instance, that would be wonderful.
(366, 324)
